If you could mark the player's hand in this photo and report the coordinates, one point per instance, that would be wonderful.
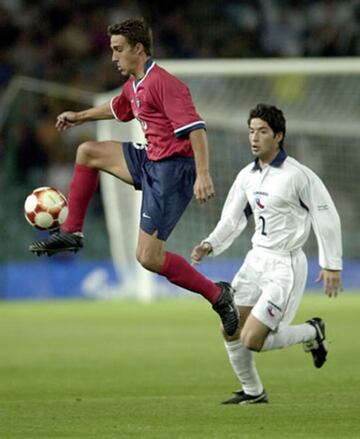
(66, 120)
(332, 281)
(199, 252)
(203, 187)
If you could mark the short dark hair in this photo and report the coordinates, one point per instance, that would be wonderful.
(273, 116)
(135, 30)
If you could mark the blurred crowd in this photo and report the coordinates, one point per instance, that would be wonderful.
(66, 41)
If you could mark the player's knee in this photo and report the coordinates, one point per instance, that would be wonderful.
(87, 152)
(251, 341)
(148, 261)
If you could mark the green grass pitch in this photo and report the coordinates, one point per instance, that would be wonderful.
(80, 369)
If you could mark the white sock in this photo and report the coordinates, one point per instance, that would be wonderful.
(243, 364)
(289, 335)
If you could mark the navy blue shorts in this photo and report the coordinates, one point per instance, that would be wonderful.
(166, 185)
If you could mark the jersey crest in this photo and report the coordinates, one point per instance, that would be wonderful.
(259, 203)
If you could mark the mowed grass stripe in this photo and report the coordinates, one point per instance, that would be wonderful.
(80, 369)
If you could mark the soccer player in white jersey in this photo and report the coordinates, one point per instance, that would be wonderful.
(286, 199)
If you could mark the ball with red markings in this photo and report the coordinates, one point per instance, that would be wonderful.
(46, 208)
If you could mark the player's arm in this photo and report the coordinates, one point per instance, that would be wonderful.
(232, 222)
(203, 187)
(68, 119)
(327, 227)
(172, 98)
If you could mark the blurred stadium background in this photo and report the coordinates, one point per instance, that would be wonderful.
(54, 56)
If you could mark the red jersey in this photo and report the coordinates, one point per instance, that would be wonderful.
(164, 107)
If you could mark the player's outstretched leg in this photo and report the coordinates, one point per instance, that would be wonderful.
(242, 398)
(226, 308)
(318, 346)
(70, 239)
(58, 242)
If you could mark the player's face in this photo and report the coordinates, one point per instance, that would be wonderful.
(264, 144)
(125, 56)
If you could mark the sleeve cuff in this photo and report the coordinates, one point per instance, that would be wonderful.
(183, 131)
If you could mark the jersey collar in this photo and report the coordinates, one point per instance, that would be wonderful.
(276, 162)
(147, 68)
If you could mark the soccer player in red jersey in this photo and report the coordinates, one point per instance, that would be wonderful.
(172, 167)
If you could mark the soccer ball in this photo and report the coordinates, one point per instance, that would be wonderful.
(46, 208)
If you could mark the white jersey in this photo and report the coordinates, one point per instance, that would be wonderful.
(286, 198)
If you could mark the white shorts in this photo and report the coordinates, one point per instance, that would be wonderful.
(272, 283)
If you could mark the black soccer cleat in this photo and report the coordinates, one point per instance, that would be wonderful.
(317, 347)
(58, 242)
(242, 398)
(226, 308)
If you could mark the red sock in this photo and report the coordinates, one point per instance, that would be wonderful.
(81, 190)
(178, 271)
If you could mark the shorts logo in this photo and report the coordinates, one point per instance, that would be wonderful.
(145, 215)
(270, 311)
(272, 308)
(259, 203)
